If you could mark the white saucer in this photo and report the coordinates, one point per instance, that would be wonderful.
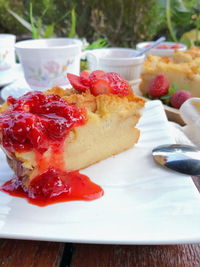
(10, 75)
(19, 88)
(15, 89)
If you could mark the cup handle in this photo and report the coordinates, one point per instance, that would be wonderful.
(86, 54)
(83, 55)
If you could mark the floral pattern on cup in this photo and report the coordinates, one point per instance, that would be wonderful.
(50, 73)
(4, 65)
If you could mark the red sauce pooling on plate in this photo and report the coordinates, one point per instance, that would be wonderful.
(54, 186)
(40, 122)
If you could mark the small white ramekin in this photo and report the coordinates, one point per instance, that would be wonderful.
(161, 51)
(119, 60)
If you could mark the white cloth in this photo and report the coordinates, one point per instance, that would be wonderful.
(190, 113)
(179, 135)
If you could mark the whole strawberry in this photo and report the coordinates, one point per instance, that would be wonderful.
(159, 86)
(179, 97)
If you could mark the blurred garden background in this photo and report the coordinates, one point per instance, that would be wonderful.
(103, 22)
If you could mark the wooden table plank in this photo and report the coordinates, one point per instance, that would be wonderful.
(21, 253)
(136, 256)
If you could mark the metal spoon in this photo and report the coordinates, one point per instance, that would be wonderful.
(146, 49)
(180, 158)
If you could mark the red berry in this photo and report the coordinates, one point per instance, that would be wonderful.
(159, 86)
(119, 86)
(84, 77)
(110, 83)
(11, 100)
(85, 73)
(176, 46)
(76, 82)
(101, 87)
(179, 97)
(48, 185)
(100, 82)
(36, 120)
(163, 46)
(95, 75)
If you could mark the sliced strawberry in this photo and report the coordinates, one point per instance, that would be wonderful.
(76, 82)
(85, 73)
(95, 75)
(119, 86)
(84, 77)
(101, 87)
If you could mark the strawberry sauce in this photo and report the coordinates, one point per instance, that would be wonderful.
(38, 122)
(54, 186)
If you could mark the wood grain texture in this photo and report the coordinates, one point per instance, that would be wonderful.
(173, 115)
(136, 256)
(20, 253)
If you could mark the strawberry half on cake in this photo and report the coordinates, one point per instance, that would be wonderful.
(49, 136)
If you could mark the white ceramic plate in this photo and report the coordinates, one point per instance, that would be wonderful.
(18, 88)
(15, 89)
(143, 203)
(10, 75)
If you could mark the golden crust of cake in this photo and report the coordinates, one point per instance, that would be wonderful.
(101, 104)
(191, 55)
(182, 70)
(109, 130)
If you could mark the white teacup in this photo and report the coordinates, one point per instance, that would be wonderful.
(120, 60)
(46, 61)
(7, 51)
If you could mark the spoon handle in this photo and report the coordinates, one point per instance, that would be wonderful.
(143, 51)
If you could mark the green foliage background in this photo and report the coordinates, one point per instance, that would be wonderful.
(121, 22)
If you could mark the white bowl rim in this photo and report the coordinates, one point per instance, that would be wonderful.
(23, 44)
(5, 35)
(119, 58)
(140, 46)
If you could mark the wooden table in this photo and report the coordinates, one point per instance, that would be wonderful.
(23, 253)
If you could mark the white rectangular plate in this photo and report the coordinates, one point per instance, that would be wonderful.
(142, 204)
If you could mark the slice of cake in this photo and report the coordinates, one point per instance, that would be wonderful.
(182, 70)
(191, 56)
(48, 136)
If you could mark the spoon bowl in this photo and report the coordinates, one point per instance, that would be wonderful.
(180, 158)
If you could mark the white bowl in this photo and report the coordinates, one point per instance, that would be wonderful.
(168, 52)
(46, 61)
(119, 60)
